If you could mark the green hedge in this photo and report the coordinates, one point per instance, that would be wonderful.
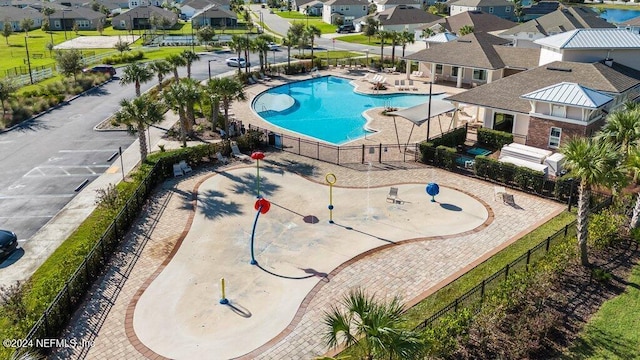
(451, 139)
(493, 138)
(522, 177)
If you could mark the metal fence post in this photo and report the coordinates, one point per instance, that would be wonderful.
(318, 150)
(380, 153)
(548, 243)
(482, 290)
(566, 230)
(506, 272)
(298, 144)
(528, 258)
(455, 306)
(363, 153)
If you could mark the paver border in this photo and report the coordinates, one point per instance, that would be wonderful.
(150, 354)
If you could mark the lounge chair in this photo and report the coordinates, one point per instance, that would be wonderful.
(222, 159)
(185, 167)
(177, 170)
(376, 79)
(498, 191)
(402, 86)
(393, 196)
(235, 151)
(396, 84)
(413, 87)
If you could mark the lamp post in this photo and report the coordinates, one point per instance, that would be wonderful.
(209, 65)
(64, 25)
(429, 110)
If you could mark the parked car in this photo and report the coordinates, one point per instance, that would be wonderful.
(236, 62)
(273, 46)
(106, 69)
(8, 243)
(345, 29)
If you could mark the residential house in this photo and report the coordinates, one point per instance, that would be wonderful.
(473, 60)
(345, 10)
(382, 5)
(308, 7)
(14, 15)
(500, 8)
(190, 7)
(215, 16)
(545, 106)
(539, 9)
(144, 3)
(479, 20)
(86, 19)
(632, 25)
(559, 21)
(139, 18)
(591, 45)
(400, 18)
(440, 38)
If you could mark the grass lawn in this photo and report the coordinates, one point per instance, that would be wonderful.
(362, 39)
(312, 20)
(449, 293)
(614, 331)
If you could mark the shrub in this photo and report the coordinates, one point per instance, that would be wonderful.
(445, 157)
(527, 178)
(451, 139)
(604, 227)
(493, 138)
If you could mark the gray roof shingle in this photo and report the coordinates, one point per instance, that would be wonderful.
(400, 15)
(561, 20)
(481, 22)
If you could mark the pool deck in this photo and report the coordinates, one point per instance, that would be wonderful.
(385, 126)
(160, 299)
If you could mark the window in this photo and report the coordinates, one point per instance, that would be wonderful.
(454, 71)
(439, 69)
(490, 9)
(346, 8)
(56, 24)
(364, 8)
(554, 137)
(558, 110)
(507, 9)
(479, 74)
(123, 23)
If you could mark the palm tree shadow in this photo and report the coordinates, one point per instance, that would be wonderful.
(213, 206)
(299, 168)
(247, 184)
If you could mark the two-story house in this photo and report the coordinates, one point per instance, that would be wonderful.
(500, 8)
(582, 75)
(400, 18)
(139, 18)
(345, 10)
(14, 15)
(382, 5)
(559, 21)
(190, 7)
(479, 20)
(136, 3)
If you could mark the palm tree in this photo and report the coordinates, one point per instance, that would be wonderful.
(262, 46)
(237, 44)
(633, 164)
(594, 162)
(137, 114)
(228, 90)
(160, 68)
(176, 61)
(173, 97)
(467, 29)
(406, 38)
(289, 41)
(371, 325)
(312, 32)
(210, 95)
(394, 36)
(189, 57)
(622, 128)
(191, 94)
(136, 73)
(382, 35)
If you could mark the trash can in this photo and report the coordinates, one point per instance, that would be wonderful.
(271, 138)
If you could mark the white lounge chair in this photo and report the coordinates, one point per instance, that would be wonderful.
(177, 170)
(402, 86)
(393, 196)
(222, 159)
(235, 151)
(185, 167)
(413, 87)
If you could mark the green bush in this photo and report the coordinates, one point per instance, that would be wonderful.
(427, 152)
(604, 227)
(445, 157)
(493, 138)
(124, 58)
(451, 139)
(528, 179)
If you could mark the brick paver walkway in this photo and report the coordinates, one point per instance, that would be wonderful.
(410, 270)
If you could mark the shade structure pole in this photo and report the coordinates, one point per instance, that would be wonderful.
(429, 110)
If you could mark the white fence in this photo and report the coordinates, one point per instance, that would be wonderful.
(38, 75)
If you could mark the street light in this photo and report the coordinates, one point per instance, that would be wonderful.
(209, 65)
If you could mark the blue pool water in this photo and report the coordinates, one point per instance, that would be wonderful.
(615, 16)
(326, 108)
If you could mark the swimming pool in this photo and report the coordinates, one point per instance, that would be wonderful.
(326, 108)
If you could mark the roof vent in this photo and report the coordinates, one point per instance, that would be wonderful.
(464, 41)
(558, 69)
(608, 62)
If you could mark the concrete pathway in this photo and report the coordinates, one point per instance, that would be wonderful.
(175, 226)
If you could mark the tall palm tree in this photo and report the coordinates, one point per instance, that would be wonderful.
(189, 57)
(228, 90)
(176, 61)
(173, 96)
(160, 68)
(633, 164)
(137, 114)
(311, 32)
(372, 326)
(406, 38)
(191, 94)
(237, 44)
(211, 96)
(289, 41)
(394, 36)
(383, 36)
(594, 162)
(262, 47)
(136, 74)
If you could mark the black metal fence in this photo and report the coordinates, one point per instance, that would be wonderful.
(473, 298)
(61, 309)
(340, 155)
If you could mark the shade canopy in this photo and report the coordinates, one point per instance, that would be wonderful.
(420, 113)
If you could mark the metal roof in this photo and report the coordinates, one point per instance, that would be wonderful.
(592, 39)
(441, 38)
(567, 93)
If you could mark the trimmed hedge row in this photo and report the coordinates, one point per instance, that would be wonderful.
(493, 138)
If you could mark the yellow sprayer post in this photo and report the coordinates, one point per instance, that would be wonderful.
(223, 299)
(331, 180)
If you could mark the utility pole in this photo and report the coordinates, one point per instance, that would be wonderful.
(26, 46)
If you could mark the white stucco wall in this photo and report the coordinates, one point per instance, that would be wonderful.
(548, 55)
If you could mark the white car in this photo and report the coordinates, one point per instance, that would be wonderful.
(236, 62)
(273, 46)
